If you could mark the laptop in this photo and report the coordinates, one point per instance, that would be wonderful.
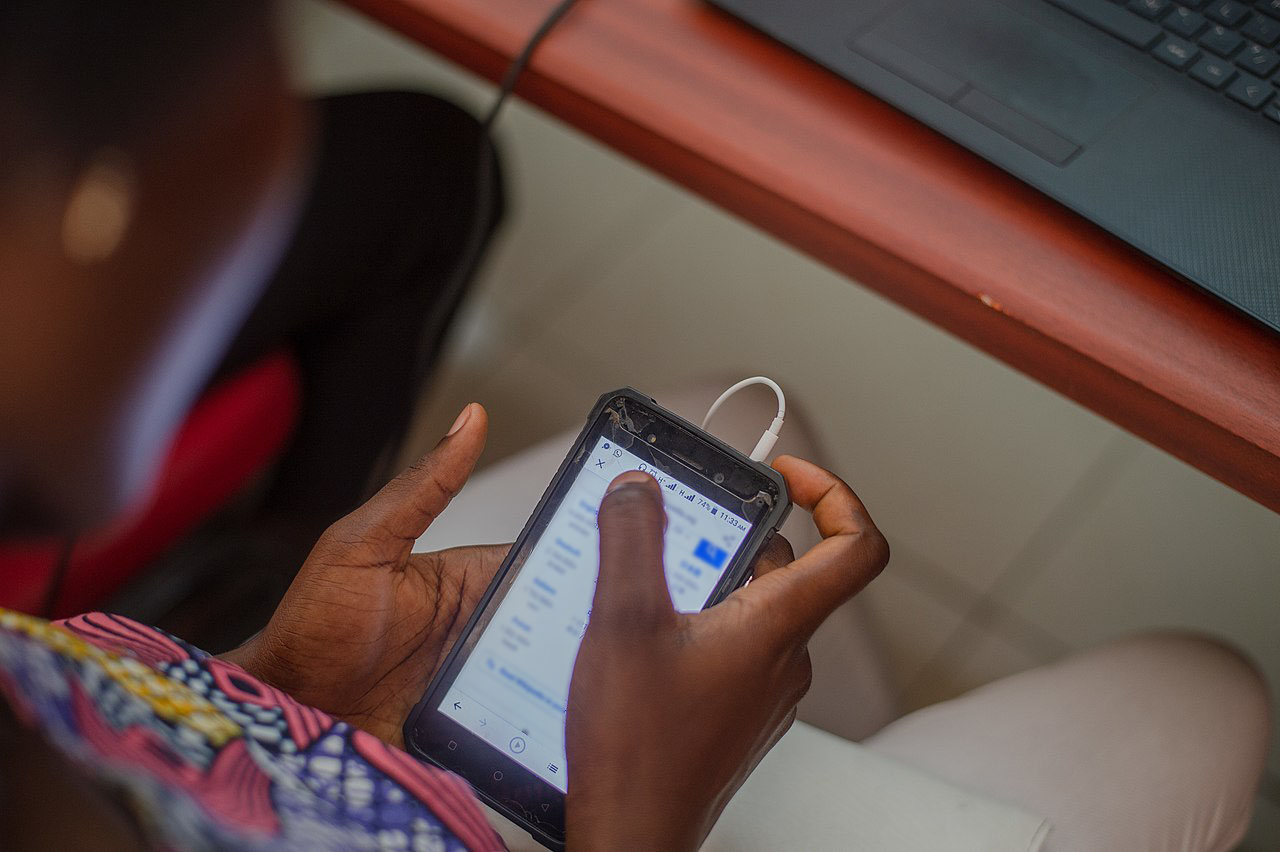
(1158, 120)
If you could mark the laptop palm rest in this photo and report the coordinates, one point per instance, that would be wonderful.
(1027, 82)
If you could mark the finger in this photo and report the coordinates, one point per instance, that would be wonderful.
(776, 554)
(407, 505)
(807, 483)
(631, 592)
(852, 551)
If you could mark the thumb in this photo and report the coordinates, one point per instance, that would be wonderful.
(406, 506)
(631, 592)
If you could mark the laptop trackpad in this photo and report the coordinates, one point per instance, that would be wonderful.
(1044, 91)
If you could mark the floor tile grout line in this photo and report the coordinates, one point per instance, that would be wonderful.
(1066, 517)
(643, 219)
(929, 578)
(637, 225)
(500, 319)
(935, 582)
(1063, 519)
(569, 351)
(1042, 644)
(966, 634)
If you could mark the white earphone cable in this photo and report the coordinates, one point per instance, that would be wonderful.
(770, 437)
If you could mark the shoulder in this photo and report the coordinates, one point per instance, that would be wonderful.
(212, 752)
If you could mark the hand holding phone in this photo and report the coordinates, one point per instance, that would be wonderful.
(366, 622)
(696, 676)
(669, 712)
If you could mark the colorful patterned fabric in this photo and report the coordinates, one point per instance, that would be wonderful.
(209, 757)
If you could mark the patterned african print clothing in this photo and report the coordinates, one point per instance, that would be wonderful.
(208, 757)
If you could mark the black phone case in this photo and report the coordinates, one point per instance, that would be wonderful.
(759, 537)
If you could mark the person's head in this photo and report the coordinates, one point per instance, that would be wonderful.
(149, 154)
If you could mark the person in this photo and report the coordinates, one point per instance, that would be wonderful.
(152, 168)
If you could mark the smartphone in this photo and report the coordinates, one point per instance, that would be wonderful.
(495, 712)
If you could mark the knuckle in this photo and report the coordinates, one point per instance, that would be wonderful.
(877, 549)
(425, 469)
(865, 554)
(803, 674)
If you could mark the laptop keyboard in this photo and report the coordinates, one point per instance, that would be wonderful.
(1227, 45)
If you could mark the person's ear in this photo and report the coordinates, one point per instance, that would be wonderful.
(99, 209)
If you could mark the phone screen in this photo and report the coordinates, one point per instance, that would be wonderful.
(512, 690)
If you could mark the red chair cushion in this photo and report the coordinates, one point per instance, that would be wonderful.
(233, 432)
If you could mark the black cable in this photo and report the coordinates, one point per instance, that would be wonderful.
(451, 291)
(53, 591)
(517, 66)
(454, 286)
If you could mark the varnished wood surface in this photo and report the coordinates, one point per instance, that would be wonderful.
(741, 120)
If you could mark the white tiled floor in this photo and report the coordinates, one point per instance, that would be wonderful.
(1023, 525)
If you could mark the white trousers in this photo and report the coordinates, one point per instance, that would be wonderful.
(1156, 742)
